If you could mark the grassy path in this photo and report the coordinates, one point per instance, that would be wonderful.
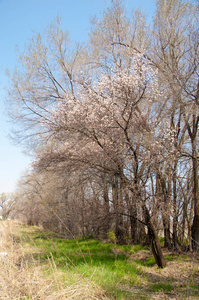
(43, 265)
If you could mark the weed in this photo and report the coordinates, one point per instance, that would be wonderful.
(137, 248)
(166, 287)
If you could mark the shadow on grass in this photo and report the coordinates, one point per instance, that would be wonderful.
(112, 267)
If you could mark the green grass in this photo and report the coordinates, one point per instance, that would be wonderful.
(94, 259)
(137, 248)
(90, 258)
(108, 265)
(158, 287)
(148, 262)
(161, 239)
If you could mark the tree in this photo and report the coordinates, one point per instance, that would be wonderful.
(96, 129)
(113, 123)
(48, 69)
(7, 203)
(175, 54)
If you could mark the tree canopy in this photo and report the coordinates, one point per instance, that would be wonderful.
(115, 124)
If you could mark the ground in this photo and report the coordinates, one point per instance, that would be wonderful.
(43, 265)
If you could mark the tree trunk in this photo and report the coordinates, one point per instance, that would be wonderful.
(195, 226)
(175, 216)
(195, 233)
(154, 241)
(119, 228)
(166, 194)
(134, 228)
(132, 209)
(134, 223)
(106, 219)
(167, 237)
(153, 237)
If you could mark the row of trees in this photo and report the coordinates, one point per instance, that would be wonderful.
(113, 127)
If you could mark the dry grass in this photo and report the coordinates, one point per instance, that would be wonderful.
(22, 277)
(181, 274)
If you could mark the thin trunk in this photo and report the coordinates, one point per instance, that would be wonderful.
(167, 237)
(82, 213)
(117, 210)
(154, 240)
(195, 226)
(132, 209)
(166, 194)
(183, 223)
(134, 224)
(175, 216)
(106, 220)
(152, 233)
(189, 218)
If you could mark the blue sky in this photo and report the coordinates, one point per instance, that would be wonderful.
(19, 19)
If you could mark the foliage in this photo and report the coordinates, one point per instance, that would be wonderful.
(113, 128)
(111, 236)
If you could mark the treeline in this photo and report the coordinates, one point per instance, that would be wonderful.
(113, 127)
